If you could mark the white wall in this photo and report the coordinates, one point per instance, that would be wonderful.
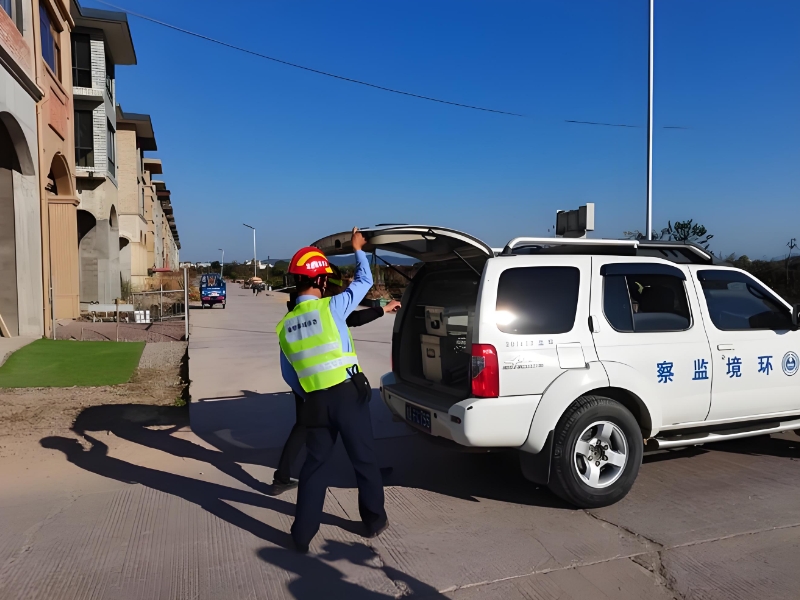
(27, 211)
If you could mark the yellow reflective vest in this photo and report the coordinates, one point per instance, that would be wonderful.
(310, 339)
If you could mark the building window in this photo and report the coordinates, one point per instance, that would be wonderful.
(81, 61)
(14, 10)
(84, 138)
(110, 78)
(51, 51)
(112, 153)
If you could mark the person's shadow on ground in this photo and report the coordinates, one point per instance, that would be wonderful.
(415, 461)
(317, 579)
(132, 422)
(212, 497)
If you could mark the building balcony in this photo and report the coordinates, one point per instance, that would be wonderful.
(90, 94)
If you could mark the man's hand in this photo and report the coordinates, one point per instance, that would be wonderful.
(357, 240)
(392, 306)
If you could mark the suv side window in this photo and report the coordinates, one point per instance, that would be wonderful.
(537, 300)
(737, 302)
(641, 298)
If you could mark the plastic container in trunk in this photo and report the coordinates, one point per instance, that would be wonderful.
(444, 359)
(450, 320)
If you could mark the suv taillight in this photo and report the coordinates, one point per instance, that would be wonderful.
(485, 371)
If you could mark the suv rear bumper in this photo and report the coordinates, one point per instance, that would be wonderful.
(502, 422)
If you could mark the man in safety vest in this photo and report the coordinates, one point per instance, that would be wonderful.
(319, 363)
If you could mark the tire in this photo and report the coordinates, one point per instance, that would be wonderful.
(224, 305)
(611, 437)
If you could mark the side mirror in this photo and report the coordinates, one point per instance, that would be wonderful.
(796, 316)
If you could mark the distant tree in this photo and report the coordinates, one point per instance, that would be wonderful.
(681, 231)
(688, 231)
(215, 266)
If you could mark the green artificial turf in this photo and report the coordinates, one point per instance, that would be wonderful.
(65, 363)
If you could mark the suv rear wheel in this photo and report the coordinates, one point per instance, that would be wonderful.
(597, 451)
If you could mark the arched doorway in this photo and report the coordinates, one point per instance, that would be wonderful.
(113, 279)
(125, 264)
(16, 171)
(87, 239)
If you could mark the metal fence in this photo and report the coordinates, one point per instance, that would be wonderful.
(158, 305)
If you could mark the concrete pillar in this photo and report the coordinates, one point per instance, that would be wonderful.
(8, 254)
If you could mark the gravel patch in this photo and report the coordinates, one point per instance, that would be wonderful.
(162, 355)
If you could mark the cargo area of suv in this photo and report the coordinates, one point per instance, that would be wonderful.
(431, 340)
(431, 343)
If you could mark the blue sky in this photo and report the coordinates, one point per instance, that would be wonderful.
(299, 155)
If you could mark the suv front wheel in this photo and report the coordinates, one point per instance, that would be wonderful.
(597, 451)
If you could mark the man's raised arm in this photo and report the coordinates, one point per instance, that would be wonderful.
(346, 302)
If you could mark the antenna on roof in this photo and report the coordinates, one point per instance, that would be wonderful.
(575, 223)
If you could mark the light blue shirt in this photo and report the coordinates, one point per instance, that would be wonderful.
(341, 307)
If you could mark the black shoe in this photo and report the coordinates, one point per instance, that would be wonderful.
(279, 487)
(300, 548)
(375, 532)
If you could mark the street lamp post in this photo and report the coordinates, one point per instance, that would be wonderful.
(255, 260)
(222, 263)
(649, 224)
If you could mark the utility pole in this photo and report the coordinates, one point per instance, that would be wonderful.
(255, 260)
(186, 302)
(222, 263)
(649, 225)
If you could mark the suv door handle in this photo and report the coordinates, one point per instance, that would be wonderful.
(724, 347)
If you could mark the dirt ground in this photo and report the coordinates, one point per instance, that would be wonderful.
(27, 415)
(168, 331)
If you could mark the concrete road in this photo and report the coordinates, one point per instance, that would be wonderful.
(144, 507)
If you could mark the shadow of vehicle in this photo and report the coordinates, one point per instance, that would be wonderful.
(416, 462)
(764, 445)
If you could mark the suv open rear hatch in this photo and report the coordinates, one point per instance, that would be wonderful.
(423, 242)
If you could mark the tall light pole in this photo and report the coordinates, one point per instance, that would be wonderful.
(649, 225)
(222, 263)
(255, 260)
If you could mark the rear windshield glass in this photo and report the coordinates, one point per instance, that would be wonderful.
(210, 281)
(537, 300)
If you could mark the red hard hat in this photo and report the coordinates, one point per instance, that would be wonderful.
(310, 262)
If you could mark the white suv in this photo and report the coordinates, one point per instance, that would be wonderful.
(583, 353)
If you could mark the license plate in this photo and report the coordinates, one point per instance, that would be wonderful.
(418, 416)
(212, 294)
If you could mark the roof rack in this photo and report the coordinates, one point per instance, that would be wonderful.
(528, 241)
(690, 251)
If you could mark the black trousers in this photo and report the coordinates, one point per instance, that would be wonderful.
(293, 445)
(346, 412)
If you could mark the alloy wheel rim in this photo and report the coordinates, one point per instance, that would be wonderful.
(600, 454)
